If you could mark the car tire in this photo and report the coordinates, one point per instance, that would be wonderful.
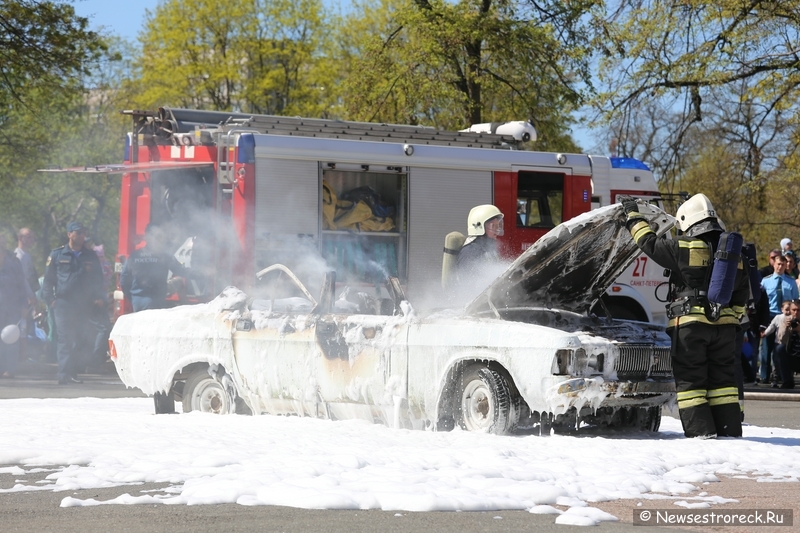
(639, 418)
(484, 402)
(164, 403)
(648, 418)
(545, 424)
(205, 394)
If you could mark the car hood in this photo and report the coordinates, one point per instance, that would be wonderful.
(572, 265)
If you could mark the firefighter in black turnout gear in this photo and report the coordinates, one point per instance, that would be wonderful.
(703, 337)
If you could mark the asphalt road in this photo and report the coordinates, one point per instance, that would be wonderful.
(40, 511)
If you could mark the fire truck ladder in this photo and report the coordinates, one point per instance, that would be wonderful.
(368, 131)
(184, 121)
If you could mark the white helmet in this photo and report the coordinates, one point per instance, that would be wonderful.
(694, 210)
(10, 334)
(478, 216)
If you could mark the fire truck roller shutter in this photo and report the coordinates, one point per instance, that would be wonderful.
(431, 217)
(287, 209)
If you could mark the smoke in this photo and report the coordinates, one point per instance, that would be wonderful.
(431, 296)
(186, 223)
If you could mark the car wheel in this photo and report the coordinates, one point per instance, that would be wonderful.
(648, 418)
(164, 402)
(485, 402)
(545, 424)
(639, 418)
(205, 394)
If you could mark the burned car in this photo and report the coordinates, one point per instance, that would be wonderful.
(526, 353)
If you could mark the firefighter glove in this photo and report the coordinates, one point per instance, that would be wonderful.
(629, 205)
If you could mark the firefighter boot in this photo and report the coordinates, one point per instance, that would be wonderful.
(698, 422)
(727, 419)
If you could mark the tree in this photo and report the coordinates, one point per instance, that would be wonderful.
(263, 56)
(686, 55)
(81, 125)
(451, 64)
(42, 44)
(707, 92)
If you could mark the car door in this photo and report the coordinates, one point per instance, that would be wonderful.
(361, 365)
(275, 359)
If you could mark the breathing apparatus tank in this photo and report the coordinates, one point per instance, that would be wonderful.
(726, 265)
(453, 243)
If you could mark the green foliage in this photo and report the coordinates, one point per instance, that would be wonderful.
(62, 117)
(263, 56)
(707, 93)
(67, 135)
(452, 64)
(42, 45)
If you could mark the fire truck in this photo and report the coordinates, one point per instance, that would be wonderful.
(239, 192)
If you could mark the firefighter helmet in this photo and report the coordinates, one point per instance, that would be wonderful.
(478, 217)
(694, 210)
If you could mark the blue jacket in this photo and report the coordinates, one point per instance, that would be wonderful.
(788, 289)
(76, 277)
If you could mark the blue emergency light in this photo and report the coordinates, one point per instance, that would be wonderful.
(628, 162)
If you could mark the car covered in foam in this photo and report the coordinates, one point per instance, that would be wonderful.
(525, 354)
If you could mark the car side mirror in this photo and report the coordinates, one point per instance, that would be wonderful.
(327, 294)
(396, 292)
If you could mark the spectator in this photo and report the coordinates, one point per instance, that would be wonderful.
(25, 241)
(105, 264)
(787, 350)
(758, 313)
(51, 353)
(73, 286)
(12, 307)
(779, 320)
(779, 288)
(768, 270)
(786, 244)
(747, 357)
(791, 264)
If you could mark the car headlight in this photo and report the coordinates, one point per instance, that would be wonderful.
(561, 362)
(596, 362)
(577, 362)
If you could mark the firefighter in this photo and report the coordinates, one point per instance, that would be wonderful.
(484, 226)
(144, 277)
(703, 341)
(73, 286)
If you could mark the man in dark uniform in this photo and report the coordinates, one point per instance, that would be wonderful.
(144, 277)
(703, 341)
(73, 286)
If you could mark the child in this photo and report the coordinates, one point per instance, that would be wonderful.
(779, 320)
(778, 326)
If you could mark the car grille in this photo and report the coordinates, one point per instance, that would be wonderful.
(642, 361)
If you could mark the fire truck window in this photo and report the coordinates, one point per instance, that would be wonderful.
(540, 198)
